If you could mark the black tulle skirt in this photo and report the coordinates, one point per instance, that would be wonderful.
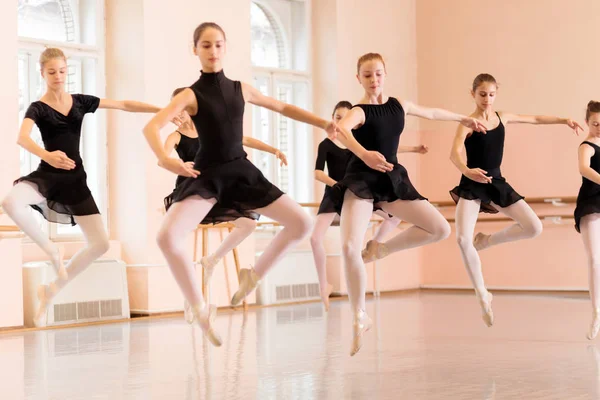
(498, 192)
(588, 202)
(373, 185)
(238, 186)
(66, 194)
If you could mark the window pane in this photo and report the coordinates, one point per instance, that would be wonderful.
(267, 44)
(58, 20)
(261, 120)
(295, 139)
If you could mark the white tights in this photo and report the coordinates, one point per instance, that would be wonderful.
(590, 233)
(182, 218)
(17, 206)
(527, 225)
(429, 226)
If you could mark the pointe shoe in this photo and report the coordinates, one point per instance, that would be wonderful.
(205, 317)
(208, 266)
(188, 313)
(325, 296)
(595, 326)
(481, 241)
(59, 265)
(486, 309)
(361, 324)
(45, 294)
(374, 251)
(248, 282)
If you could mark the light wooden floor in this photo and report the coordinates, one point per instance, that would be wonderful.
(426, 345)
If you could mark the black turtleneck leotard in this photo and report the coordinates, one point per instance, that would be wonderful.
(225, 173)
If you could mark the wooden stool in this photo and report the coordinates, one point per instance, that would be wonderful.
(236, 259)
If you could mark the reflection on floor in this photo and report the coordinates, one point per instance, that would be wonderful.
(425, 345)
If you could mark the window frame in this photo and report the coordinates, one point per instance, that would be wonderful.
(289, 75)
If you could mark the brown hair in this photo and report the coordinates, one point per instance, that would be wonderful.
(51, 53)
(593, 107)
(483, 78)
(204, 26)
(342, 104)
(369, 57)
(177, 91)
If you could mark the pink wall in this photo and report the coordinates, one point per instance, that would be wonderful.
(531, 53)
(340, 38)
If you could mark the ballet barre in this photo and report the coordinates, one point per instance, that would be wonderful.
(10, 232)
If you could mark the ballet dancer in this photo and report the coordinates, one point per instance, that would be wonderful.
(482, 187)
(336, 157)
(371, 130)
(185, 142)
(587, 212)
(221, 173)
(58, 188)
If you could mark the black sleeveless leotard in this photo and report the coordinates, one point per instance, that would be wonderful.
(588, 199)
(66, 191)
(380, 132)
(225, 173)
(336, 160)
(485, 151)
(186, 149)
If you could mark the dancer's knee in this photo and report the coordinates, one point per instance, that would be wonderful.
(441, 231)
(464, 241)
(533, 228)
(300, 226)
(247, 225)
(351, 250)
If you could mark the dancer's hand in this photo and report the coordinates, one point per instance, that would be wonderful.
(178, 167)
(422, 149)
(376, 161)
(477, 175)
(474, 124)
(331, 129)
(282, 158)
(574, 125)
(59, 160)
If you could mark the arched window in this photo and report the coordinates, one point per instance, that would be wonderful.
(268, 48)
(279, 48)
(66, 24)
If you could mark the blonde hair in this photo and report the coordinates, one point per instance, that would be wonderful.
(369, 57)
(50, 54)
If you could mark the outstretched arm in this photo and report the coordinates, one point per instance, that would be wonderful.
(128, 105)
(439, 114)
(421, 149)
(262, 146)
(254, 96)
(508, 118)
